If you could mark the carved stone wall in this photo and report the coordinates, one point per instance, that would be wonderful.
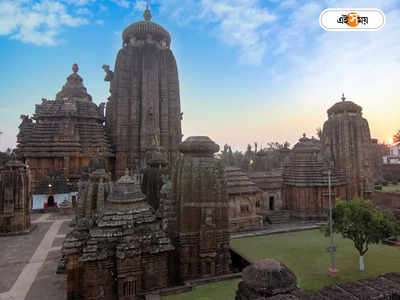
(121, 252)
(270, 183)
(243, 197)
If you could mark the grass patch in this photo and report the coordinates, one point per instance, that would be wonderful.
(222, 290)
(305, 253)
(391, 188)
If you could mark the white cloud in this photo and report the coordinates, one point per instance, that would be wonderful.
(36, 22)
(103, 8)
(140, 5)
(242, 24)
(83, 11)
(100, 22)
(79, 2)
(288, 4)
(122, 3)
(239, 23)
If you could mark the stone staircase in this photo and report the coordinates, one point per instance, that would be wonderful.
(52, 209)
(279, 216)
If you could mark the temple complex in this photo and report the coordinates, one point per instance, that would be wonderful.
(305, 181)
(346, 141)
(244, 195)
(202, 211)
(122, 253)
(63, 134)
(14, 198)
(144, 104)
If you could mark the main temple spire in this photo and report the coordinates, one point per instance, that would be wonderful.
(147, 13)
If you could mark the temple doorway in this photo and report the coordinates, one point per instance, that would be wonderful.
(73, 201)
(50, 201)
(272, 203)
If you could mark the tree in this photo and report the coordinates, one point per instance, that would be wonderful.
(318, 131)
(396, 137)
(360, 222)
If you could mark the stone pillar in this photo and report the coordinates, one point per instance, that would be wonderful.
(14, 198)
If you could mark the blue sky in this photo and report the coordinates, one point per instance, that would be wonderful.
(250, 70)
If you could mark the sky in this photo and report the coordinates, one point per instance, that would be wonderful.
(250, 70)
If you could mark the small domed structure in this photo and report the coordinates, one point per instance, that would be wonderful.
(126, 193)
(199, 145)
(266, 278)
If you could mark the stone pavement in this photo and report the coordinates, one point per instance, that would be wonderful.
(28, 263)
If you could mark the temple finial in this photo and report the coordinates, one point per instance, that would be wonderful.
(75, 68)
(343, 97)
(147, 13)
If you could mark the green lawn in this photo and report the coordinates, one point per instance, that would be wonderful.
(223, 290)
(391, 188)
(303, 252)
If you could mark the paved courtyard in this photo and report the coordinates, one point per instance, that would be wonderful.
(28, 262)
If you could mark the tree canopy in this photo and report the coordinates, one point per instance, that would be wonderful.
(360, 222)
(396, 137)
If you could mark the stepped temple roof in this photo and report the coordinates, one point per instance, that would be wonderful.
(127, 227)
(239, 183)
(74, 88)
(267, 180)
(306, 168)
(70, 125)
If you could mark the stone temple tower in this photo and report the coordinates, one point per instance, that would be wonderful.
(202, 222)
(144, 107)
(346, 140)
